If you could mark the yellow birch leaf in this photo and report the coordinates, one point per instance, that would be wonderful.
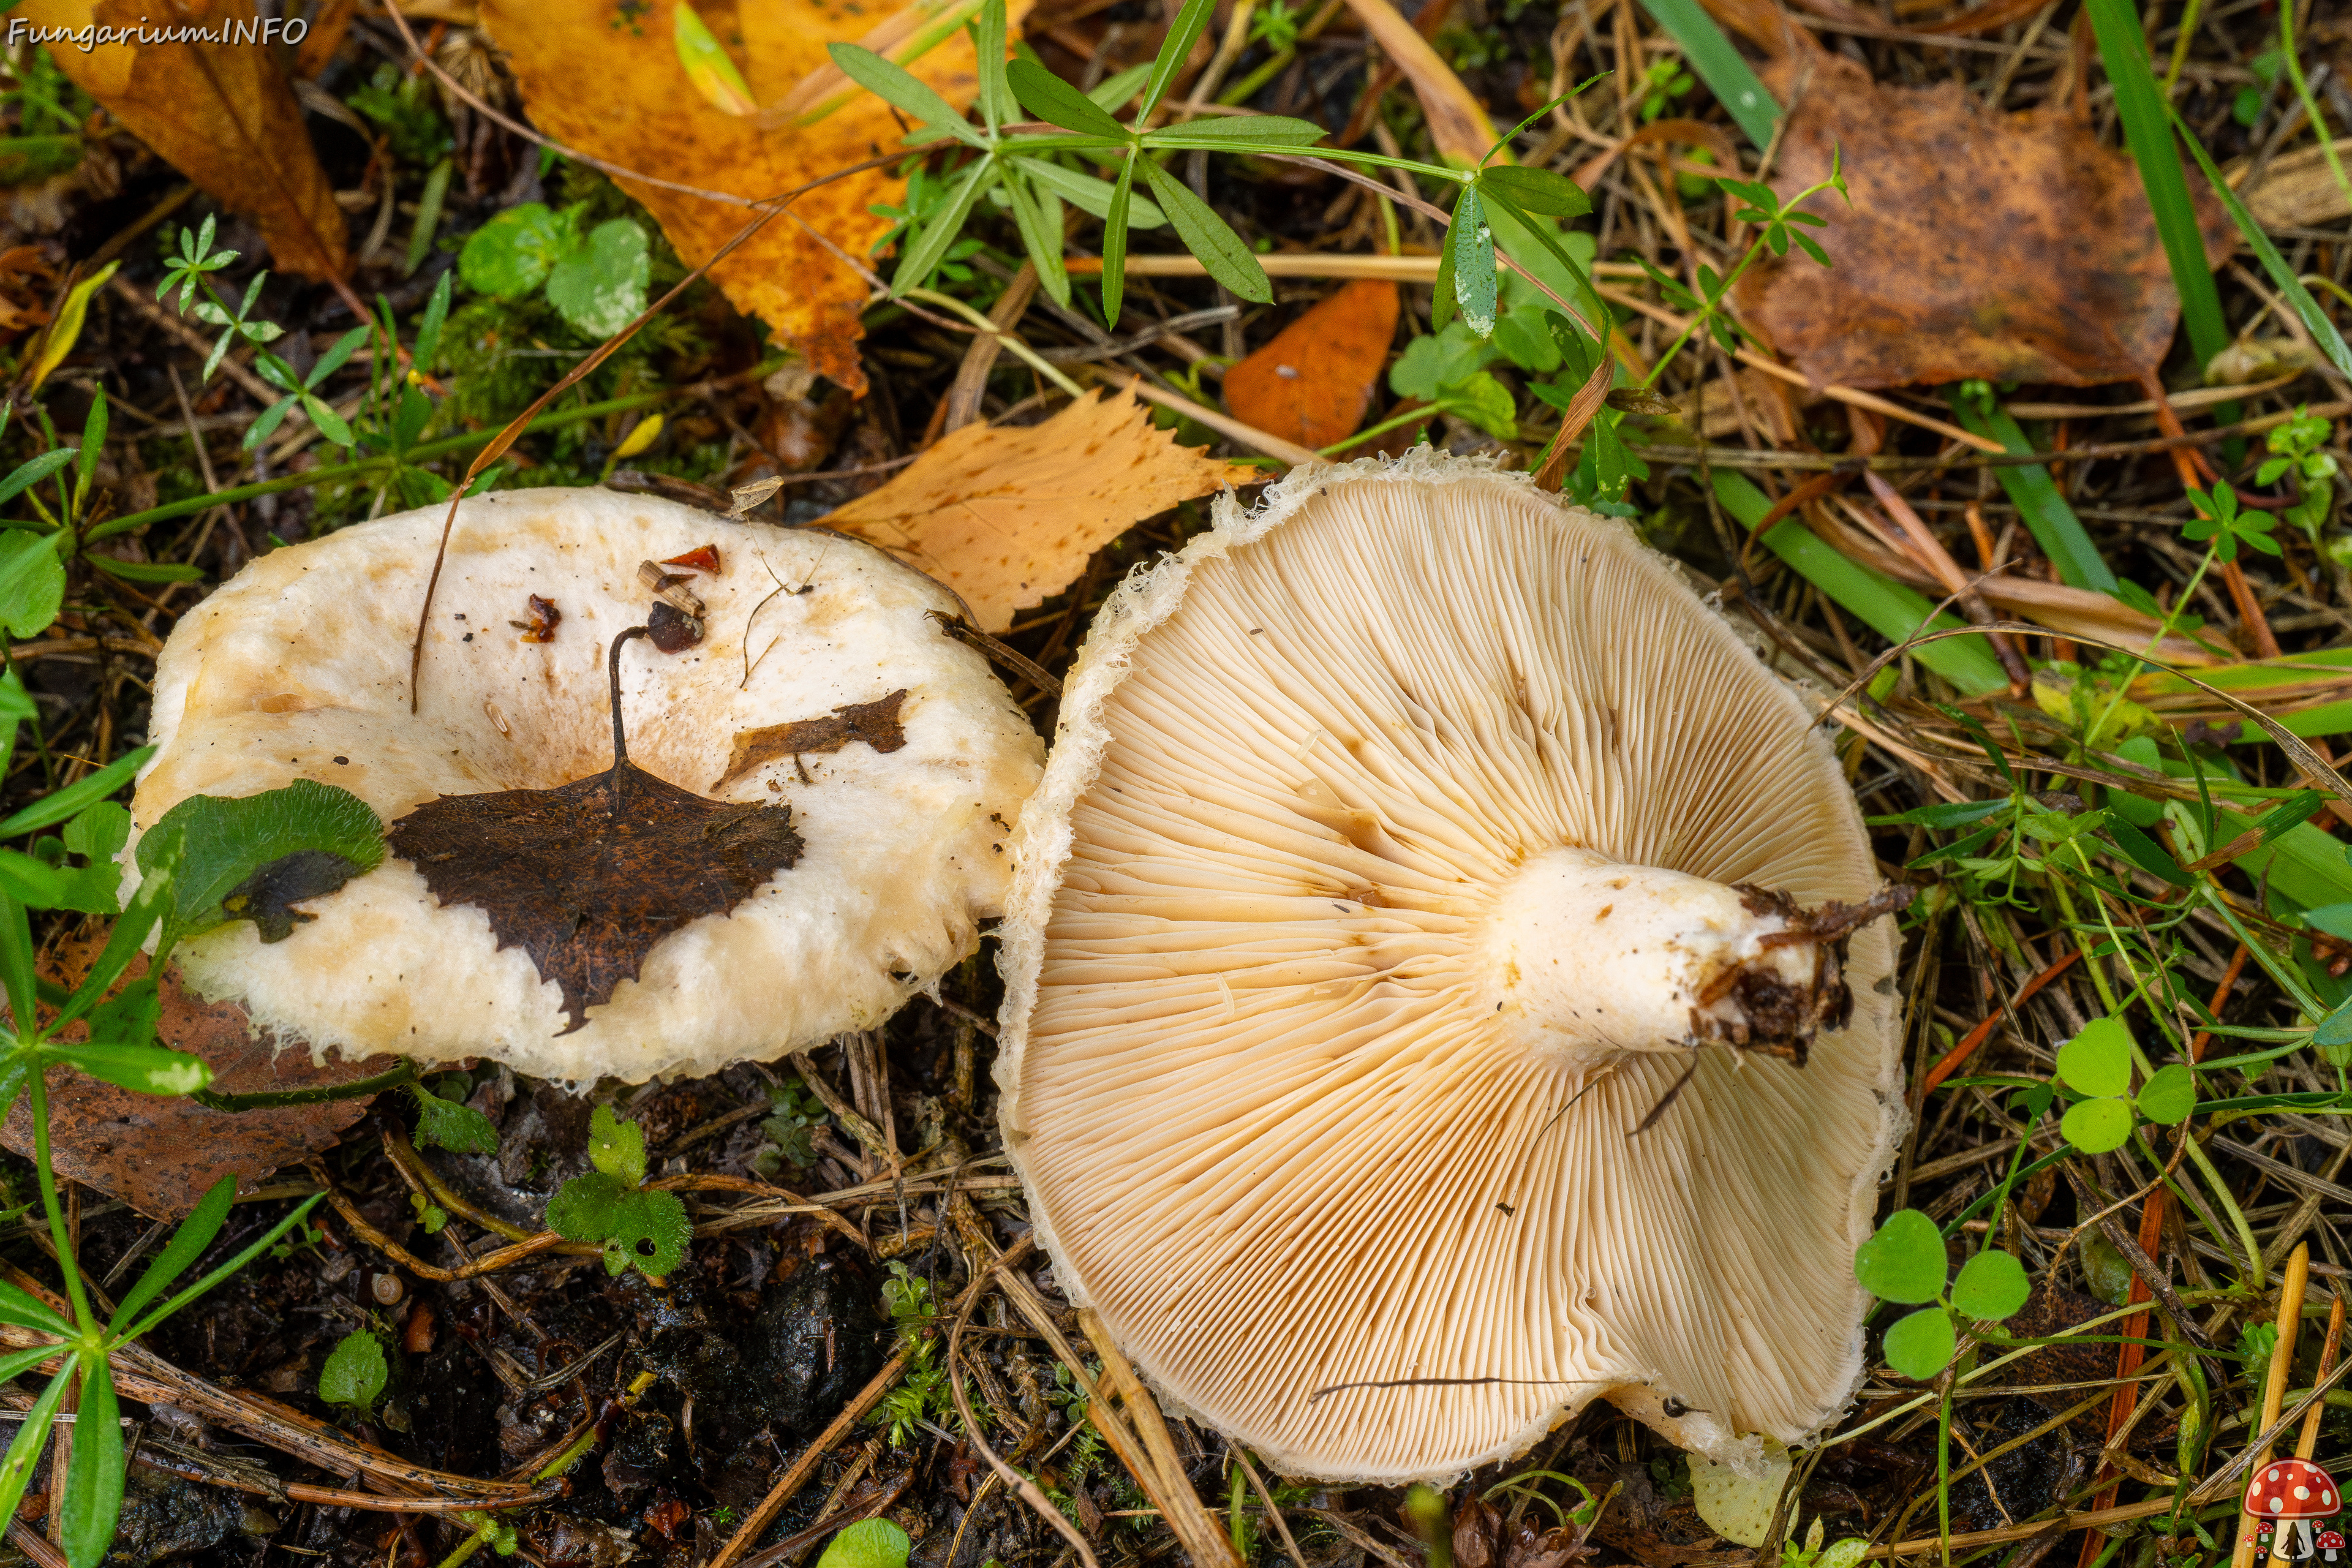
(1008, 517)
(221, 113)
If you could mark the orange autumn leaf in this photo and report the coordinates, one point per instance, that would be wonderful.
(221, 113)
(1007, 517)
(1312, 383)
(604, 76)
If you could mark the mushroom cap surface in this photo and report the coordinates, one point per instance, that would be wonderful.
(298, 667)
(1272, 1123)
(2292, 1489)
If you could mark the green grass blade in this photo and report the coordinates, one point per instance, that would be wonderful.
(269, 1239)
(1114, 250)
(1208, 237)
(2147, 129)
(93, 1499)
(2307, 308)
(1887, 607)
(1719, 64)
(69, 802)
(33, 1438)
(187, 1245)
(2034, 493)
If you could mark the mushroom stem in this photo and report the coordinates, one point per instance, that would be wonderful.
(1589, 958)
(612, 680)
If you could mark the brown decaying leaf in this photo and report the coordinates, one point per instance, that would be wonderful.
(602, 76)
(1999, 246)
(1313, 382)
(1008, 517)
(159, 1154)
(587, 876)
(221, 114)
(875, 723)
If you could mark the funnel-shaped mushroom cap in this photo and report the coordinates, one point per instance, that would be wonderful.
(298, 669)
(1385, 878)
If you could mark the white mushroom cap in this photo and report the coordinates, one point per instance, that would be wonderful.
(1363, 807)
(298, 669)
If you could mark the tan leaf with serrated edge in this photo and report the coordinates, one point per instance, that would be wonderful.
(1008, 517)
(604, 76)
(221, 113)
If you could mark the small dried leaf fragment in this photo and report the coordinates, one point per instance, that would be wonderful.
(221, 115)
(1999, 246)
(1313, 383)
(544, 618)
(876, 723)
(705, 557)
(586, 877)
(160, 1154)
(1008, 517)
(643, 114)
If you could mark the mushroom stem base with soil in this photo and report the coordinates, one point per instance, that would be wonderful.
(1589, 958)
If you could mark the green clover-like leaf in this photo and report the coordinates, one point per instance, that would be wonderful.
(1921, 1345)
(1903, 1260)
(2096, 1126)
(2169, 1098)
(2097, 1061)
(1991, 1285)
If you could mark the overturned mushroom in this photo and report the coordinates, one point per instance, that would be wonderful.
(799, 897)
(1441, 989)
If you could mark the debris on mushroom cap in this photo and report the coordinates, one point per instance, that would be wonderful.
(1362, 809)
(299, 669)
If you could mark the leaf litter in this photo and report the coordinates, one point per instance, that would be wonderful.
(1977, 246)
(792, 275)
(225, 117)
(160, 1154)
(1008, 516)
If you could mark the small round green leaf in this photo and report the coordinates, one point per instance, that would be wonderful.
(1991, 1285)
(509, 255)
(2098, 1061)
(2169, 1098)
(600, 287)
(869, 1543)
(355, 1372)
(2096, 1126)
(1904, 1261)
(1921, 1345)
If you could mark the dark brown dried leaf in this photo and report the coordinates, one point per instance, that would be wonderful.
(875, 723)
(588, 876)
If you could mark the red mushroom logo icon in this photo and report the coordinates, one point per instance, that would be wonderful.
(2296, 1492)
(2331, 1541)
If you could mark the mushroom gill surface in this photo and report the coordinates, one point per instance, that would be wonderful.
(1292, 1113)
(298, 667)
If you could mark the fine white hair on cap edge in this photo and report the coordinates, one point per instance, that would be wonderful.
(1264, 1128)
(298, 667)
